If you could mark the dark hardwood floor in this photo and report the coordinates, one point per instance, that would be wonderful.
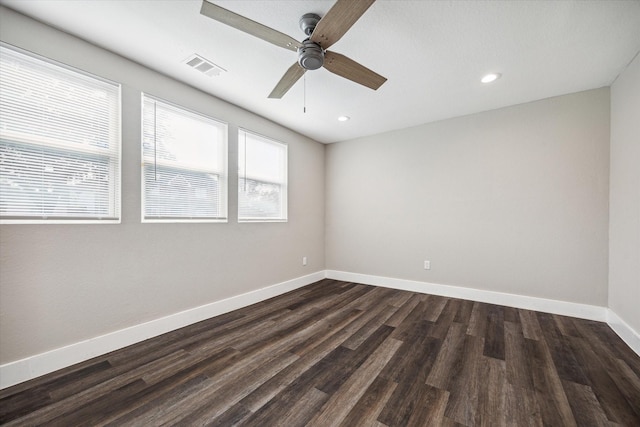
(344, 354)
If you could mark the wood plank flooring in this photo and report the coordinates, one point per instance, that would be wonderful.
(344, 354)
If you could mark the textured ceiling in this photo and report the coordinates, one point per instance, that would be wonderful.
(432, 52)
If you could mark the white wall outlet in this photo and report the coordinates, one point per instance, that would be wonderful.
(304, 260)
(427, 265)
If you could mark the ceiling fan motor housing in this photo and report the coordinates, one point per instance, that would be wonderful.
(310, 55)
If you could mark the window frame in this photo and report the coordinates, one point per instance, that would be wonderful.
(223, 182)
(285, 193)
(52, 144)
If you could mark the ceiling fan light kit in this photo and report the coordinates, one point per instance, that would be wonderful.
(312, 52)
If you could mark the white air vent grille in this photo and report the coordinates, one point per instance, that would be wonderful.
(203, 65)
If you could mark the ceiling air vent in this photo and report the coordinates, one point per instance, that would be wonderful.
(205, 66)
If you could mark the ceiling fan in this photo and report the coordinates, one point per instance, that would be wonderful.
(312, 52)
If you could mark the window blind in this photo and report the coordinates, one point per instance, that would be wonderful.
(262, 178)
(184, 174)
(59, 142)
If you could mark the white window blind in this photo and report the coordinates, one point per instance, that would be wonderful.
(184, 167)
(59, 142)
(262, 178)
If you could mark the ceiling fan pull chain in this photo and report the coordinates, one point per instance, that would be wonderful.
(304, 96)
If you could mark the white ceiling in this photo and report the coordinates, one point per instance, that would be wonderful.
(432, 52)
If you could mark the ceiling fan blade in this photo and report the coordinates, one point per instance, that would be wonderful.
(248, 26)
(342, 15)
(292, 75)
(350, 69)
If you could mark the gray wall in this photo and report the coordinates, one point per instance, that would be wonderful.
(624, 228)
(512, 200)
(61, 284)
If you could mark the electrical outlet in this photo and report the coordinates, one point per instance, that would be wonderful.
(427, 265)
(304, 260)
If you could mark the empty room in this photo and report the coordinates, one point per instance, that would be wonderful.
(320, 213)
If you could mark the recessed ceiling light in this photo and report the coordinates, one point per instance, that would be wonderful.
(343, 118)
(491, 77)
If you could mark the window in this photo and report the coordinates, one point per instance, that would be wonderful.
(184, 165)
(59, 142)
(262, 178)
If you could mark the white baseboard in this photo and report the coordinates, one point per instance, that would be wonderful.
(582, 311)
(624, 331)
(44, 363)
